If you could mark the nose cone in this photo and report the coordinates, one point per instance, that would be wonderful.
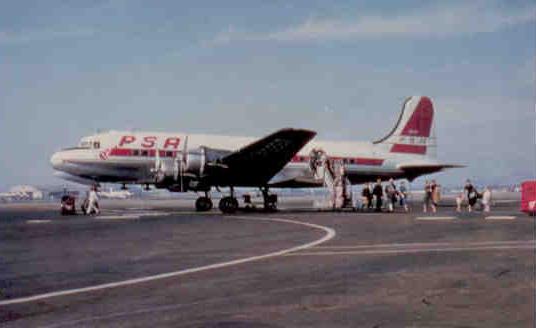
(56, 160)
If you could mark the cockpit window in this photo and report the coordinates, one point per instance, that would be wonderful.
(85, 144)
(89, 144)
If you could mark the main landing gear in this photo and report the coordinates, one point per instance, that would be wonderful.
(228, 204)
(203, 204)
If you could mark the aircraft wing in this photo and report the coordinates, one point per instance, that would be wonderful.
(256, 163)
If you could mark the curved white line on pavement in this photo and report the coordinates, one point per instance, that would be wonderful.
(330, 233)
(418, 250)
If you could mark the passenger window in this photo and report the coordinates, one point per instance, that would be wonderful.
(135, 152)
(144, 153)
(96, 145)
(169, 154)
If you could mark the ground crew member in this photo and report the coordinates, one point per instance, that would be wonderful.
(93, 202)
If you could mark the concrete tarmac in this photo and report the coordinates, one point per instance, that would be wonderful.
(152, 263)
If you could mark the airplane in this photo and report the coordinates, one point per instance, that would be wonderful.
(287, 158)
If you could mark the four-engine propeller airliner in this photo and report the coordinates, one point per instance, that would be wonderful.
(183, 162)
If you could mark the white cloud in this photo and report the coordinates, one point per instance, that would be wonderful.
(469, 18)
(30, 36)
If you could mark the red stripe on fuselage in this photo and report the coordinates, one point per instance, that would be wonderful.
(120, 152)
(127, 152)
(408, 149)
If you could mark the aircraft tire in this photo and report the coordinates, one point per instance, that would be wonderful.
(203, 204)
(228, 205)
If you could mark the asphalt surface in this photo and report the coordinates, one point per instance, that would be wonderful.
(366, 270)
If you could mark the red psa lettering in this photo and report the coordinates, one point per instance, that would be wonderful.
(172, 142)
(125, 140)
(148, 142)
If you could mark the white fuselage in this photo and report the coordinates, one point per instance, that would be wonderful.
(128, 157)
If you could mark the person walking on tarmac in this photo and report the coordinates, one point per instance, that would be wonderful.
(93, 202)
(378, 193)
(366, 195)
(486, 199)
(370, 196)
(427, 196)
(403, 195)
(472, 195)
(436, 195)
(390, 191)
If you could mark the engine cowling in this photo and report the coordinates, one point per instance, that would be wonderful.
(195, 162)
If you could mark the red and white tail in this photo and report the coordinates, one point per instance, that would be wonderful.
(413, 133)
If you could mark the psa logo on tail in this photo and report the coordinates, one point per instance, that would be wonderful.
(413, 133)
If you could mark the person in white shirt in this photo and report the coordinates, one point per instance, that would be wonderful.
(93, 202)
(486, 199)
(459, 201)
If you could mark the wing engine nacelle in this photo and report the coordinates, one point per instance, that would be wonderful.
(185, 172)
(195, 162)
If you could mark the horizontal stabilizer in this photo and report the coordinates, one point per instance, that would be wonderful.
(415, 170)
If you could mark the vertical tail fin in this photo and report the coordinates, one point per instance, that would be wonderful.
(414, 131)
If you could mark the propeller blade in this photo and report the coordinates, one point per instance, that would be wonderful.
(157, 162)
(184, 160)
(176, 168)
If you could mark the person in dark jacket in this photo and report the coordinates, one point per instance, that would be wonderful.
(378, 193)
(366, 197)
(472, 195)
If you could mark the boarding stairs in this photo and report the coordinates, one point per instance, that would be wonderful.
(333, 175)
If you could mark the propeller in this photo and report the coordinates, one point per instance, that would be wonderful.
(179, 164)
(157, 169)
(184, 160)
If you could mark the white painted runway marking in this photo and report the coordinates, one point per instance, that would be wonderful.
(117, 217)
(521, 246)
(410, 245)
(435, 218)
(37, 221)
(500, 217)
(330, 233)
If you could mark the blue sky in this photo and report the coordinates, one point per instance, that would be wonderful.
(343, 69)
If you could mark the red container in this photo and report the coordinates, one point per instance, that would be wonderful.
(528, 197)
